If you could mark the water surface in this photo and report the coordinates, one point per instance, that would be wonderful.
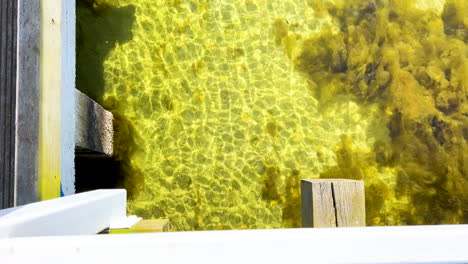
(223, 106)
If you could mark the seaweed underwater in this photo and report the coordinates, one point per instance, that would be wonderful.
(218, 119)
(412, 63)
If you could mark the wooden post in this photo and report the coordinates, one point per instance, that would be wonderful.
(144, 226)
(333, 203)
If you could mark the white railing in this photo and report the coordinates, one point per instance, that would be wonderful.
(87, 213)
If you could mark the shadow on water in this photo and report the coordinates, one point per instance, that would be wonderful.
(97, 172)
(98, 30)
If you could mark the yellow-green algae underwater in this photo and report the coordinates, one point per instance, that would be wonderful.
(222, 107)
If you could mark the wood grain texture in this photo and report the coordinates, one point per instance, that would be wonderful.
(8, 64)
(349, 203)
(317, 201)
(94, 128)
(27, 115)
(332, 203)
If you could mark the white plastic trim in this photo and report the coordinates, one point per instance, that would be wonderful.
(79, 214)
(421, 244)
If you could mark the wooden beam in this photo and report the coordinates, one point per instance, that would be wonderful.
(44, 100)
(94, 132)
(8, 64)
(27, 108)
(332, 203)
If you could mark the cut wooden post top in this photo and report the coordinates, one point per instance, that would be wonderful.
(145, 226)
(332, 203)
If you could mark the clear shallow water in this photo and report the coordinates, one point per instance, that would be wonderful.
(223, 106)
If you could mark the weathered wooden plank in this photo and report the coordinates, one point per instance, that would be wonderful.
(94, 130)
(8, 51)
(349, 203)
(317, 202)
(6, 108)
(332, 203)
(27, 115)
(12, 53)
(20, 39)
(3, 24)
